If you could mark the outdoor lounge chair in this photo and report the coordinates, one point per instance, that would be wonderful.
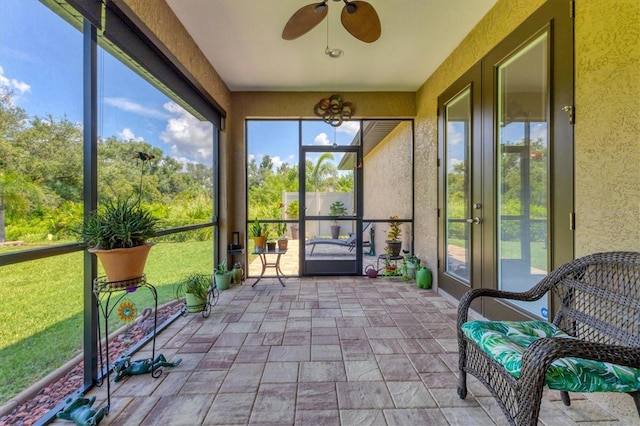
(592, 345)
(350, 242)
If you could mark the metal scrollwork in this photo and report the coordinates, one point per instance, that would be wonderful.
(333, 110)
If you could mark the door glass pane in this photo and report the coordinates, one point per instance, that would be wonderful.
(272, 188)
(457, 188)
(330, 206)
(523, 96)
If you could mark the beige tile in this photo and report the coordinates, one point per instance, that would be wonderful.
(322, 371)
(179, 410)
(410, 395)
(230, 409)
(363, 395)
(280, 372)
(415, 416)
(275, 404)
(334, 350)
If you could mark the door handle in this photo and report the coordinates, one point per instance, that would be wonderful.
(476, 220)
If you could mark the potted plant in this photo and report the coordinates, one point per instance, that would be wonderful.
(413, 263)
(258, 231)
(336, 209)
(292, 213)
(118, 233)
(283, 242)
(195, 288)
(393, 242)
(222, 276)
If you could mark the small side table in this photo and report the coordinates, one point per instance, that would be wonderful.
(265, 264)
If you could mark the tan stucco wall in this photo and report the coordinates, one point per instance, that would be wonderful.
(607, 131)
(386, 193)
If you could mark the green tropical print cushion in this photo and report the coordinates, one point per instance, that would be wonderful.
(506, 341)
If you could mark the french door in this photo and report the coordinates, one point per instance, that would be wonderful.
(506, 166)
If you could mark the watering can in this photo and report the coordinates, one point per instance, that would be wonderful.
(371, 271)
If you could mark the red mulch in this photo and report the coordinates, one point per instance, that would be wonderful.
(32, 410)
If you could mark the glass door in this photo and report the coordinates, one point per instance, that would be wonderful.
(461, 211)
(506, 167)
(330, 219)
(523, 170)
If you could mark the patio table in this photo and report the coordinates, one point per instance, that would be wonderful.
(273, 264)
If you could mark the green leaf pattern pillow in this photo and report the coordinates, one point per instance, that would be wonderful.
(506, 341)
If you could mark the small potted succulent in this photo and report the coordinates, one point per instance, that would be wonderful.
(195, 288)
(118, 233)
(258, 231)
(283, 242)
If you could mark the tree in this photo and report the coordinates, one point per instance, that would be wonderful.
(322, 172)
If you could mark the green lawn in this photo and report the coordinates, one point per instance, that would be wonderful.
(511, 250)
(41, 316)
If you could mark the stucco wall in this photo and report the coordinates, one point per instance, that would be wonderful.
(607, 131)
(386, 189)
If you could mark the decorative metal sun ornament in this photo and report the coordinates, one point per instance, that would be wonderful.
(333, 110)
(127, 311)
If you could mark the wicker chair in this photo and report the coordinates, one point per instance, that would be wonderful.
(599, 307)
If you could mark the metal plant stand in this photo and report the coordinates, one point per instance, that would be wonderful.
(212, 299)
(108, 295)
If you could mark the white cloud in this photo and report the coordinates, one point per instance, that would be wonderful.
(349, 127)
(18, 87)
(454, 136)
(130, 106)
(127, 134)
(186, 135)
(322, 139)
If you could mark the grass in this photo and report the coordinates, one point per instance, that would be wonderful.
(41, 309)
(511, 250)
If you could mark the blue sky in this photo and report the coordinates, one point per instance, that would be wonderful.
(279, 139)
(41, 63)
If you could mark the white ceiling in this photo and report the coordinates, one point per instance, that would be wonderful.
(242, 40)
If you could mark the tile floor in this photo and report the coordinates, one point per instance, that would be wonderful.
(320, 351)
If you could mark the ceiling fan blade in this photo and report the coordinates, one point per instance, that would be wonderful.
(364, 23)
(303, 21)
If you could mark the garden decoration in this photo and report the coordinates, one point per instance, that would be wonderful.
(124, 367)
(79, 411)
(333, 110)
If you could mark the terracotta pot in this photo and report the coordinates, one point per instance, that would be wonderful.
(124, 263)
(283, 243)
(259, 242)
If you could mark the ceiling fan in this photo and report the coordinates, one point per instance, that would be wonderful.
(359, 18)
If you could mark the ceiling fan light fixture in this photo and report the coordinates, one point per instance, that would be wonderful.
(350, 7)
(320, 7)
(334, 53)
